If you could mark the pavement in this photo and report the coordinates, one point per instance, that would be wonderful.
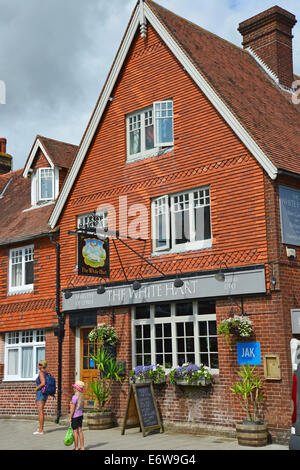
(17, 434)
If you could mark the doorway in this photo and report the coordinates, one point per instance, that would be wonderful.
(88, 370)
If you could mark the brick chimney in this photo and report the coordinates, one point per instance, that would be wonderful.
(269, 36)
(5, 159)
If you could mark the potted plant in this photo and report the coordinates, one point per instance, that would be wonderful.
(240, 326)
(191, 374)
(154, 373)
(251, 432)
(108, 370)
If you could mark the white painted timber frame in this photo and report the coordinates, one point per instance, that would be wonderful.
(38, 145)
(194, 73)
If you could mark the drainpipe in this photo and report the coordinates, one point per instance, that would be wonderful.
(61, 328)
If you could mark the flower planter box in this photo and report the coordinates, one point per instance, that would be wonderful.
(148, 381)
(197, 383)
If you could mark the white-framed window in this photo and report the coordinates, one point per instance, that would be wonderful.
(182, 221)
(44, 185)
(93, 220)
(21, 261)
(150, 129)
(23, 351)
(175, 333)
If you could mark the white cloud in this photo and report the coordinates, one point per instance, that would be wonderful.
(55, 56)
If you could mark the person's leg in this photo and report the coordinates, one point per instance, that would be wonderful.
(75, 432)
(41, 405)
(81, 438)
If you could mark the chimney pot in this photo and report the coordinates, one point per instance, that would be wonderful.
(5, 159)
(2, 145)
(269, 36)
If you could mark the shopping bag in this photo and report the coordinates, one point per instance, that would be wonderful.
(69, 437)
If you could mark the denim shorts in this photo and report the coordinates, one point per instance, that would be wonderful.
(40, 396)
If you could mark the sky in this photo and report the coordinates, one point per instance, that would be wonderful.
(55, 56)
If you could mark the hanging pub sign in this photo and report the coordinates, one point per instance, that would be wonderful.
(93, 256)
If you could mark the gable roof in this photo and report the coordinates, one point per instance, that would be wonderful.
(60, 154)
(18, 221)
(256, 108)
(17, 225)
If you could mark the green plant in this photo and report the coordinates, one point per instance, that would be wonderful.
(104, 334)
(108, 370)
(236, 325)
(190, 373)
(248, 391)
(154, 372)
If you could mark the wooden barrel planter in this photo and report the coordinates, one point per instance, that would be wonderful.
(99, 420)
(252, 434)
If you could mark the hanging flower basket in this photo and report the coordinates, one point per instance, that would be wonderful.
(192, 375)
(239, 326)
(104, 334)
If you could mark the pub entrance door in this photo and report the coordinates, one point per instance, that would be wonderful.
(88, 370)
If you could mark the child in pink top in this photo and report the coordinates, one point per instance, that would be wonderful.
(76, 415)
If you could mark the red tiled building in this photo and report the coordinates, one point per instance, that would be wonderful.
(28, 317)
(192, 147)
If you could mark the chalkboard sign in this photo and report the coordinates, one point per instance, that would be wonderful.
(141, 409)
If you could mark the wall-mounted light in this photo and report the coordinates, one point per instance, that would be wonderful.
(220, 276)
(68, 294)
(273, 281)
(136, 285)
(178, 282)
(101, 289)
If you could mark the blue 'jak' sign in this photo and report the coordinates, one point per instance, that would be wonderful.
(248, 353)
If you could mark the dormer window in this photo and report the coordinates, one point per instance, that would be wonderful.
(44, 185)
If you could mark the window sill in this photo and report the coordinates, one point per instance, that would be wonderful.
(38, 206)
(184, 249)
(18, 380)
(23, 290)
(149, 154)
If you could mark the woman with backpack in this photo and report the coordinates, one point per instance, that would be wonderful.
(41, 397)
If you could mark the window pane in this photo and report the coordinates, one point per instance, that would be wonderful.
(135, 142)
(205, 308)
(40, 356)
(159, 346)
(161, 210)
(12, 368)
(162, 310)
(142, 312)
(29, 273)
(164, 121)
(158, 331)
(27, 363)
(135, 134)
(149, 130)
(46, 182)
(208, 343)
(16, 272)
(181, 209)
(184, 309)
